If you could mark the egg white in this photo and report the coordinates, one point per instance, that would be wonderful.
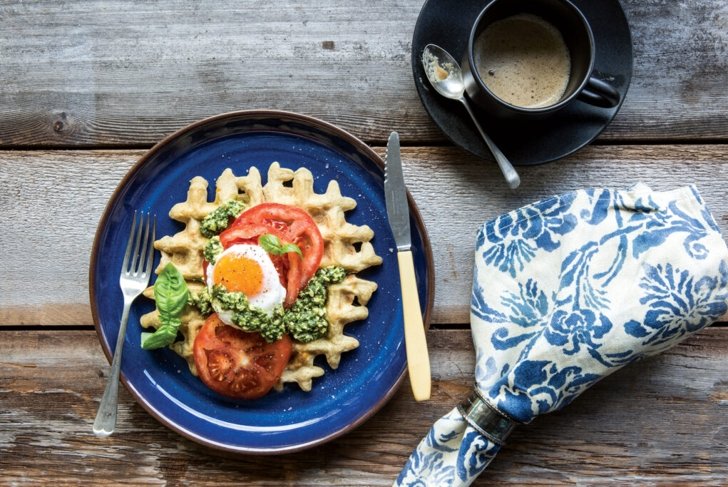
(272, 292)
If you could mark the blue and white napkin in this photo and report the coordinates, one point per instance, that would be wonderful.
(566, 291)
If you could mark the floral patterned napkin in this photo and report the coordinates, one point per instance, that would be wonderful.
(567, 291)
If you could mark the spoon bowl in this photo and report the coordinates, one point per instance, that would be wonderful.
(446, 77)
(443, 72)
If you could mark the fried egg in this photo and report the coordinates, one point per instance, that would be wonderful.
(248, 269)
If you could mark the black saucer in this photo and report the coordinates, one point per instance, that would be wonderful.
(442, 23)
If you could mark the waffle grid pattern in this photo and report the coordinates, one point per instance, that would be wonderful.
(346, 245)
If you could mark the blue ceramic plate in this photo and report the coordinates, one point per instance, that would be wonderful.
(160, 380)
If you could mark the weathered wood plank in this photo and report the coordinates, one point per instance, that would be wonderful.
(661, 421)
(118, 73)
(54, 200)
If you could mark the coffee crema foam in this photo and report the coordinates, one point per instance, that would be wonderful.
(524, 61)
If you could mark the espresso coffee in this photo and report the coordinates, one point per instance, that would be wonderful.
(524, 61)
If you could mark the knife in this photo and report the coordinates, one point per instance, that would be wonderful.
(395, 196)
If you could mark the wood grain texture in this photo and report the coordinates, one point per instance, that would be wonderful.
(59, 196)
(657, 422)
(117, 73)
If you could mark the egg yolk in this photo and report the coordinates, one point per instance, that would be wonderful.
(239, 274)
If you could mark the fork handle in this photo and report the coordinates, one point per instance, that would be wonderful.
(106, 416)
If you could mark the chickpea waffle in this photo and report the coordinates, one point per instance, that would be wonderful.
(346, 245)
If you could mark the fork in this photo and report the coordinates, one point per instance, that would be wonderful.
(135, 272)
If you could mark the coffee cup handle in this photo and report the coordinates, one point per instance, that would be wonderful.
(599, 93)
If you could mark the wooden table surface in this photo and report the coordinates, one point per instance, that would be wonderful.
(87, 86)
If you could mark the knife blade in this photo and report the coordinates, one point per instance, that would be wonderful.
(395, 197)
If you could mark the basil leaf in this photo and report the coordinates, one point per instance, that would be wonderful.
(163, 336)
(171, 296)
(289, 247)
(273, 245)
(170, 291)
(270, 243)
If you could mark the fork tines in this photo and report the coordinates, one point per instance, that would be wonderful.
(140, 250)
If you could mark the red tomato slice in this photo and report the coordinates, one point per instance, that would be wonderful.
(291, 225)
(295, 281)
(237, 364)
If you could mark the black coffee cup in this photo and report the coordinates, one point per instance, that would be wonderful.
(578, 38)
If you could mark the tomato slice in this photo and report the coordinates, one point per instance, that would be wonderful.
(291, 225)
(237, 364)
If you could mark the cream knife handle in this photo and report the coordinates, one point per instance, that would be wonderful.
(418, 360)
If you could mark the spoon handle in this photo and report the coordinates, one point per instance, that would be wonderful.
(509, 172)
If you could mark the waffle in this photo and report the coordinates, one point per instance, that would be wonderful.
(345, 245)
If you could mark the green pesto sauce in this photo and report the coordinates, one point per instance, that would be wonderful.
(219, 219)
(212, 249)
(305, 321)
(202, 302)
(249, 318)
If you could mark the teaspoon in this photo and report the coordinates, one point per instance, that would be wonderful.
(446, 76)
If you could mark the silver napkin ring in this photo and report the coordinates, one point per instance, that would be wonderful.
(487, 420)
